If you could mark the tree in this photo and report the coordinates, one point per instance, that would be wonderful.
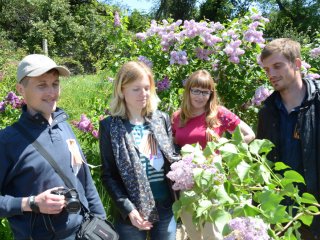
(295, 18)
(176, 9)
(220, 10)
(138, 22)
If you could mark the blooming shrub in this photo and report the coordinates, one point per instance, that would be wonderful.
(10, 109)
(229, 51)
(238, 186)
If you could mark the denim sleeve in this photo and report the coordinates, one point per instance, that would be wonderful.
(9, 205)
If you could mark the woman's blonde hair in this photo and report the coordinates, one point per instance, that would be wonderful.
(128, 73)
(200, 79)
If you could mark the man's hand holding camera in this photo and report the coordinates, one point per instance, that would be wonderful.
(47, 202)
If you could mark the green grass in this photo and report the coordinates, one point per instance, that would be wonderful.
(79, 94)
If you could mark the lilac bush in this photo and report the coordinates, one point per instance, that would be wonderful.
(232, 185)
(10, 109)
(229, 51)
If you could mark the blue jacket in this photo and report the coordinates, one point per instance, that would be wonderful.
(24, 172)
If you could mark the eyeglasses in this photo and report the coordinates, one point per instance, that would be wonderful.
(197, 92)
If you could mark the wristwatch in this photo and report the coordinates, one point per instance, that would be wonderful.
(33, 205)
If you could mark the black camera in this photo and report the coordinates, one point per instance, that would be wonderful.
(72, 198)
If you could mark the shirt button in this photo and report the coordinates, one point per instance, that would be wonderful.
(305, 170)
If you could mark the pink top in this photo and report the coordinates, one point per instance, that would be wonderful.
(195, 129)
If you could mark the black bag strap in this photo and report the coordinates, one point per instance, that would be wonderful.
(44, 153)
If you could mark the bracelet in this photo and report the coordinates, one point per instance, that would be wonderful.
(33, 205)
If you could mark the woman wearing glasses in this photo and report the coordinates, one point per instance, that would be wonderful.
(200, 118)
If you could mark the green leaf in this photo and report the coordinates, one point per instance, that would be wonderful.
(308, 198)
(278, 166)
(259, 146)
(230, 155)
(268, 200)
(176, 207)
(306, 219)
(242, 170)
(237, 135)
(221, 195)
(265, 173)
(203, 207)
(202, 178)
(278, 214)
(220, 218)
(187, 149)
(246, 210)
(292, 176)
(313, 209)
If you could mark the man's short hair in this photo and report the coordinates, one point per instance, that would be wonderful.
(289, 48)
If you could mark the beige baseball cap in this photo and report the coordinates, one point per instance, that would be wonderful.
(35, 65)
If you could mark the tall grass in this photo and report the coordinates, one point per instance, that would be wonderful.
(79, 93)
(88, 94)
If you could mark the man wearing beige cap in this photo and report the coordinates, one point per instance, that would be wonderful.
(29, 185)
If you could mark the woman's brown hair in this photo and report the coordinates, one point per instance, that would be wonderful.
(200, 79)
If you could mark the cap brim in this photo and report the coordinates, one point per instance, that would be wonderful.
(62, 71)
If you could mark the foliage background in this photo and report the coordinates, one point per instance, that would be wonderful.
(83, 36)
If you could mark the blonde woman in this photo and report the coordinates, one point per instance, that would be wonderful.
(136, 149)
(201, 118)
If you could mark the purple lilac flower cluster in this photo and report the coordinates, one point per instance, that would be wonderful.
(207, 32)
(116, 21)
(179, 57)
(254, 36)
(181, 172)
(247, 228)
(171, 35)
(164, 84)
(315, 52)
(146, 61)
(233, 51)
(11, 99)
(258, 17)
(314, 76)
(304, 69)
(260, 95)
(203, 54)
(85, 125)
